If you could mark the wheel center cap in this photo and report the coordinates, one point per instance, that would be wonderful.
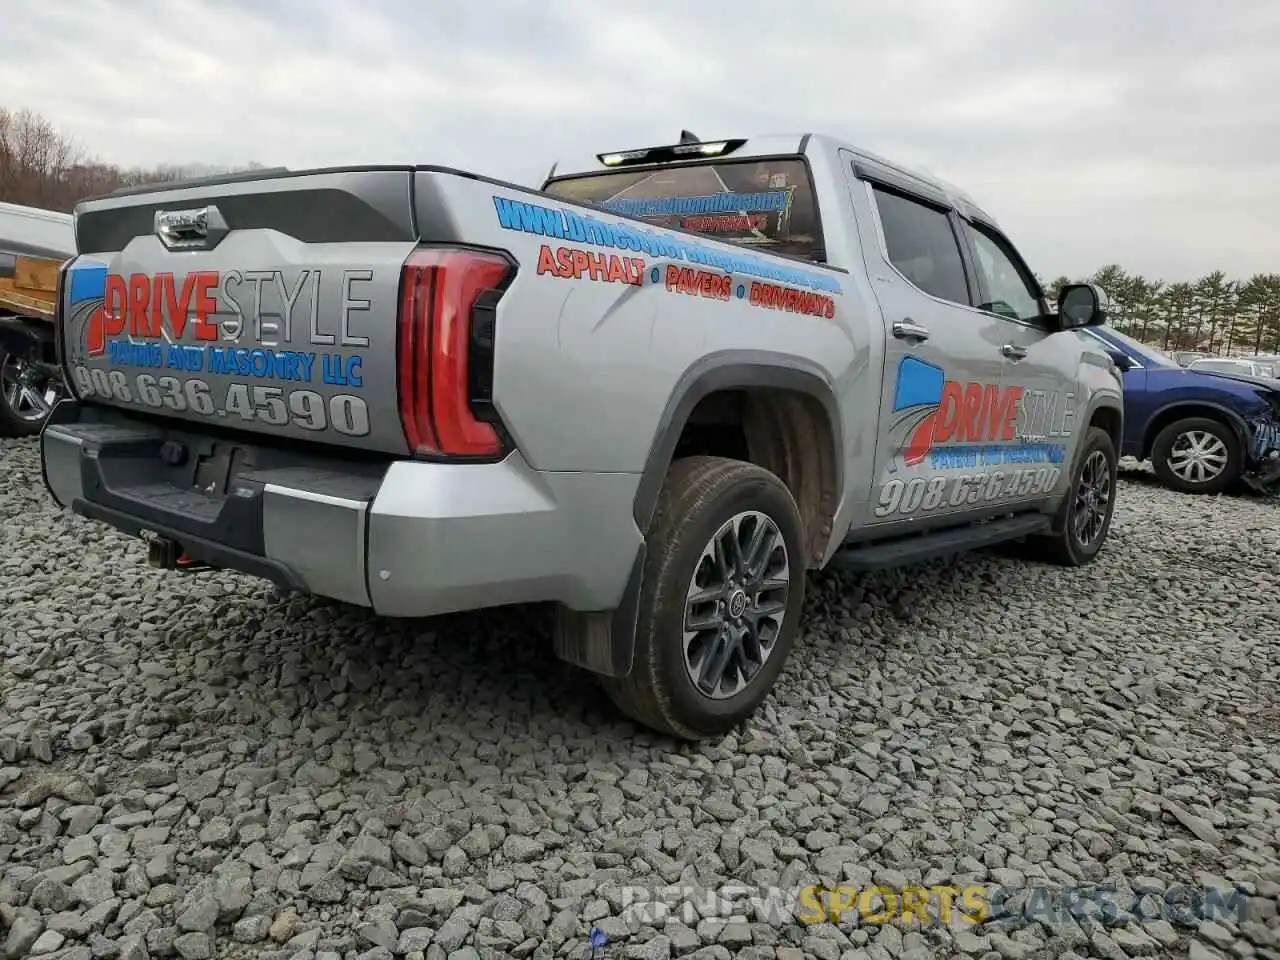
(737, 604)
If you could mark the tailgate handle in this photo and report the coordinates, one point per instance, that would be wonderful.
(198, 228)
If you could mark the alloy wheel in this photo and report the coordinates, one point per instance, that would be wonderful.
(735, 605)
(1093, 498)
(27, 390)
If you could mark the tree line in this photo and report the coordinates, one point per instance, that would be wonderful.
(1213, 314)
(42, 167)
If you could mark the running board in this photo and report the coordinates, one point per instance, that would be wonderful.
(929, 546)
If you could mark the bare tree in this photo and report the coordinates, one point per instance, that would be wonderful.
(43, 167)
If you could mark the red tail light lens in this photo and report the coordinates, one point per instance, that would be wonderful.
(439, 291)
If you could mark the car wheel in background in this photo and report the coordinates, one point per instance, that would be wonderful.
(28, 392)
(1197, 455)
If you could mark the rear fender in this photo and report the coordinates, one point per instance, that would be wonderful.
(604, 642)
(728, 370)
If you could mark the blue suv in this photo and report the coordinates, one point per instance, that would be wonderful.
(1201, 430)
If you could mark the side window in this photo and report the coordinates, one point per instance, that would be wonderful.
(1008, 292)
(922, 245)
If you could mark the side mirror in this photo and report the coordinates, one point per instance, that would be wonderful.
(1082, 305)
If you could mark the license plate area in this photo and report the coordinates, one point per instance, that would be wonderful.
(141, 475)
(175, 480)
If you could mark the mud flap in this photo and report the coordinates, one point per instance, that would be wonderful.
(603, 642)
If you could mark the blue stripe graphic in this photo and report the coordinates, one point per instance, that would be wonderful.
(86, 283)
(918, 383)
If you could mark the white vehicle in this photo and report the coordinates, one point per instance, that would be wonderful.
(33, 246)
(1250, 367)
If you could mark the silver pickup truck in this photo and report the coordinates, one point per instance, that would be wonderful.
(654, 393)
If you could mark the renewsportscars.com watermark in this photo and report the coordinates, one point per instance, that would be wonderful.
(940, 904)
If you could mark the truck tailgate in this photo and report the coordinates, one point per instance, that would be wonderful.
(266, 305)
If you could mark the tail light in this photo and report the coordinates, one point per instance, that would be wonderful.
(448, 301)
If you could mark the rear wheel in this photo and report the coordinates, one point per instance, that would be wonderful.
(720, 602)
(1197, 455)
(28, 393)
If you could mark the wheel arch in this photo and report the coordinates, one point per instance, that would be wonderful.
(1107, 412)
(604, 641)
(1184, 409)
(791, 395)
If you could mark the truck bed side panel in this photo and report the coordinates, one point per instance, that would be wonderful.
(606, 315)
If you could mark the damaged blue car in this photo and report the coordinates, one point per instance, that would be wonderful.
(1203, 430)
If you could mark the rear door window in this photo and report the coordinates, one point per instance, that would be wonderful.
(921, 244)
(760, 203)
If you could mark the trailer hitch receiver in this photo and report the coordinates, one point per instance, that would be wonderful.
(163, 553)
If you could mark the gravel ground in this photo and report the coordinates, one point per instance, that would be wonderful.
(194, 767)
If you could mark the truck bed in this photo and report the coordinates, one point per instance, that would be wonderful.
(33, 245)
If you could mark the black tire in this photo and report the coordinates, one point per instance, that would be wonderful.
(1172, 437)
(700, 496)
(12, 421)
(1076, 543)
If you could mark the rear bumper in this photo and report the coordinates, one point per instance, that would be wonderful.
(404, 538)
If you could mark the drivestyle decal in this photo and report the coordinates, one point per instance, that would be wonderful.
(581, 229)
(271, 405)
(86, 288)
(139, 320)
(708, 281)
(791, 300)
(905, 498)
(576, 264)
(725, 223)
(772, 201)
(714, 285)
(698, 283)
(120, 323)
(954, 423)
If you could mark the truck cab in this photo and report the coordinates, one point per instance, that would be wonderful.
(944, 329)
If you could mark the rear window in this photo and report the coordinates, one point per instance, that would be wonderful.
(761, 203)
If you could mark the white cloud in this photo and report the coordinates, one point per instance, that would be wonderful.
(1093, 131)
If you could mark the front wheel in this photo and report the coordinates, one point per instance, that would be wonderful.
(720, 601)
(1197, 455)
(1084, 519)
(28, 393)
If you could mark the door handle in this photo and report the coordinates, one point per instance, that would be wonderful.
(1013, 351)
(906, 330)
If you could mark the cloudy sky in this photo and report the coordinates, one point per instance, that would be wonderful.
(1145, 133)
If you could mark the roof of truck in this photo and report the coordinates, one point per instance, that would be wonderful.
(32, 232)
(784, 144)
